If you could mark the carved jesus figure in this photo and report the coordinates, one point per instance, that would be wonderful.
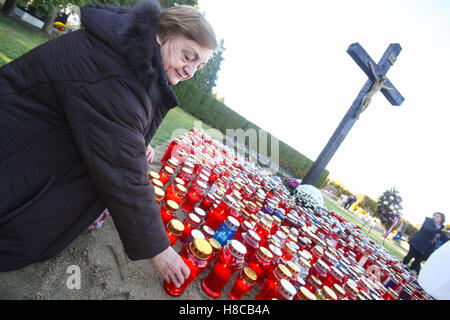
(378, 84)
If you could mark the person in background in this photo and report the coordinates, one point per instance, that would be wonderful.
(76, 119)
(350, 200)
(423, 243)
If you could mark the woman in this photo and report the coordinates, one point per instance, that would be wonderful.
(423, 243)
(76, 116)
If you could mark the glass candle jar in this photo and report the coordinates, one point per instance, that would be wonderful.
(245, 281)
(159, 195)
(174, 230)
(165, 174)
(320, 270)
(191, 222)
(195, 256)
(326, 293)
(227, 230)
(230, 260)
(168, 154)
(304, 267)
(168, 211)
(207, 202)
(194, 195)
(185, 174)
(173, 163)
(207, 231)
(244, 227)
(316, 253)
(294, 269)
(312, 283)
(195, 234)
(339, 291)
(351, 290)
(390, 295)
(304, 294)
(259, 262)
(288, 251)
(285, 290)
(153, 175)
(275, 225)
(218, 215)
(216, 249)
(268, 290)
(250, 240)
(334, 276)
(156, 183)
(262, 228)
(200, 213)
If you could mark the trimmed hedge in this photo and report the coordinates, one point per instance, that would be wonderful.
(216, 114)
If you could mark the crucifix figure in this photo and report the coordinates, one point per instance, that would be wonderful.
(377, 82)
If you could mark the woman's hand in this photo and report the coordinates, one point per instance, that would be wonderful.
(150, 153)
(171, 266)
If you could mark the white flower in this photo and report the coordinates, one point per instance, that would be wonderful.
(309, 196)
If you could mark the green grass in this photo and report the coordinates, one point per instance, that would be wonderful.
(394, 250)
(16, 38)
(176, 122)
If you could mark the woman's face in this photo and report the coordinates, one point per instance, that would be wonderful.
(182, 57)
(437, 218)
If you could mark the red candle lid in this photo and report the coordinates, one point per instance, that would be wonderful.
(157, 183)
(180, 189)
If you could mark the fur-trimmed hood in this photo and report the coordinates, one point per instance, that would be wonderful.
(132, 33)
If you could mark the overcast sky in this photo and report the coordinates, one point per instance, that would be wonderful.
(287, 70)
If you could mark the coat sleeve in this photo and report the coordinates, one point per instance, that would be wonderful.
(107, 120)
(429, 227)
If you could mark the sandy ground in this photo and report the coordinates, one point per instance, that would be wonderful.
(106, 272)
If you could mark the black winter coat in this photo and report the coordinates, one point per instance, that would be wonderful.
(76, 115)
(422, 241)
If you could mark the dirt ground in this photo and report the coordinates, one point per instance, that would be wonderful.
(106, 272)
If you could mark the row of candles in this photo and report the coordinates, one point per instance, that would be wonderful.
(238, 219)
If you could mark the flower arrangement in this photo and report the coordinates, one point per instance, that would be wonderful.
(60, 26)
(309, 196)
(389, 206)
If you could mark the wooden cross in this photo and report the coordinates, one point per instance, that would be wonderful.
(377, 82)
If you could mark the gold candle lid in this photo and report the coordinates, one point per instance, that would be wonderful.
(201, 248)
(153, 175)
(249, 275)
(306, 294)
(293, 268)
(157, 183)
(176, 227)
(179, 181)
(159, 193)
(171, 205)
(328, 293)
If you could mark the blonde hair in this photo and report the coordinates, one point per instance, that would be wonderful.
(189, 22)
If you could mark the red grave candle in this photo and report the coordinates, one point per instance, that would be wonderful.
(195, 256)
(174, 230)
(230, 260)
(168, 211)
(268, 290)
(245, 281)
(191, 222)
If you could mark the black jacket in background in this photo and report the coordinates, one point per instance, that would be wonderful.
(422, 241)
(76, 115)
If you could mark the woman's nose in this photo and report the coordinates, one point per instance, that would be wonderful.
(190, 70)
